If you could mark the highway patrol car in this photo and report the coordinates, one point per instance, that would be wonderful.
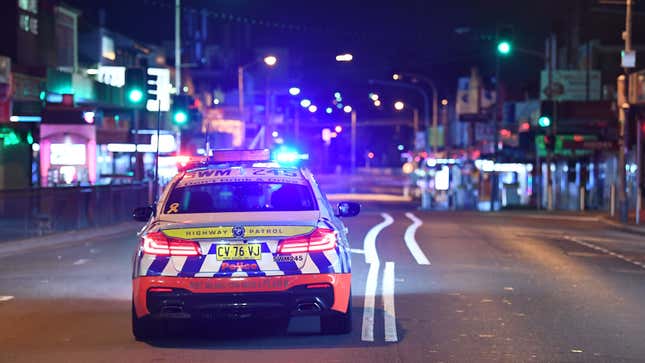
(239, 237)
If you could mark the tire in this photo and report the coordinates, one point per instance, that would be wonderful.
(145, 328)
(337, 323)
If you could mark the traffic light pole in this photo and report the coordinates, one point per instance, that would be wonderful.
(494, 183)
(550, 58)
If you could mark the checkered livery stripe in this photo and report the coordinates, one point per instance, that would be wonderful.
(271, 264)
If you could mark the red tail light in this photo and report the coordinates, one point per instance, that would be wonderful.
(157, 243)
(321, 239)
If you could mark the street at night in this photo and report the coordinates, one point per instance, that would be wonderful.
(547, 289)
(322, 181)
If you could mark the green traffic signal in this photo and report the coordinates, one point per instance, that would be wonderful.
(544, 121)
(504, 47)
(135, 95)
(180, 117)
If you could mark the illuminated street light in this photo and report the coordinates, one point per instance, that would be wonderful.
(313, 108)
(275, 134)
(270, 60)
(305, 103)
(347, 109)
(329, 110)
(338, 128)
(370, 155)
(444, 102)
(398, 105)
(396, 76)
(337, 96)
(377, 103)
(347, 57)
(294, 91)
(374, 96)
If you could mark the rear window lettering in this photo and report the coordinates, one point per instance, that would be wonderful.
(241, 196)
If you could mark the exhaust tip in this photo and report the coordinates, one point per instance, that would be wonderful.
(309, 307)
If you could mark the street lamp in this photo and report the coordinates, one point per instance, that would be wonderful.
(347, 109)
(346, 57)
(305, 103)
(399, 105)
(269, 60)
(294, 91)
(435, 99)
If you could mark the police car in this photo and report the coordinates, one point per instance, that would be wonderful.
(242, 237)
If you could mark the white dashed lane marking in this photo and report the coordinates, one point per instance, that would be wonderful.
(6, 298)
(606, 251)
(81, 261)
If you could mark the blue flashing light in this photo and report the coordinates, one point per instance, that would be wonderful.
(339, 106)
(288, 156)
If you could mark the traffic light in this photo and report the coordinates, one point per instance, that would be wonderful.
(549, 142)
(544, 121)
(135, 87)
(505, 40)
(180, 109)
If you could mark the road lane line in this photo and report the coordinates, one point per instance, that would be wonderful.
(356, 250)
(388, 303)
(369, 243)
(606, 251)
(371, 283)
(6, 298)
(81, 261)
(411, 242)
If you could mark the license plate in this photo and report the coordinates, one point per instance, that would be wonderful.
(250, 251)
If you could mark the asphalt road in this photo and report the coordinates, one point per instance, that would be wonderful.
(465, 287)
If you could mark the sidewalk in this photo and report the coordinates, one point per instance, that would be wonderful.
(58, 239)
(601, 217)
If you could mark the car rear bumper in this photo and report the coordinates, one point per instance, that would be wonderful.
(179, 297)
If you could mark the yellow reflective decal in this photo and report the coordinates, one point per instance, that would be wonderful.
(227, 232)
(173, 208)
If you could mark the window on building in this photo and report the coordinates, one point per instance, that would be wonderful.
(65, 38)
(28, 23)
(28, 5)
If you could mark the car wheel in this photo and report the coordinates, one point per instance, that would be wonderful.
(145, 328)
(337, 323)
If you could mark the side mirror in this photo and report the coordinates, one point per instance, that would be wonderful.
(347, 209)
(142, 214)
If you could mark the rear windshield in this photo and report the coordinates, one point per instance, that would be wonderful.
(240, 197)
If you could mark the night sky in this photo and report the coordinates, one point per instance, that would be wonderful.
(442, 39)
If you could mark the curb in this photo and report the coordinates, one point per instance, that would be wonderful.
(623, 227)
(59, 239)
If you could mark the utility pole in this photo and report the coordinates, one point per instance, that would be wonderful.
(353, 147)
(178, 45)
(623, 109)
